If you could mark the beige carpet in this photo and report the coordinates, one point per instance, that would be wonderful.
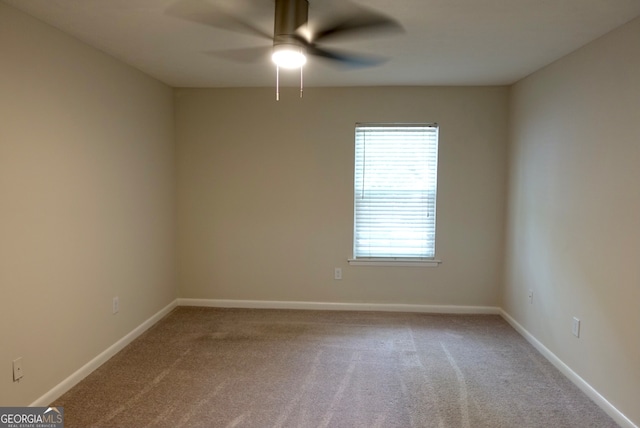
(204, 367)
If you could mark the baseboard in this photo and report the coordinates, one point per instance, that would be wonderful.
(101, 358)
(594, 395)
(334, 306)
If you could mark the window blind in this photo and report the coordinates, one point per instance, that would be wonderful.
(395, 191)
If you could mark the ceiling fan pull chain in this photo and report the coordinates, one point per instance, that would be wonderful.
(301, 82)
(277, 83)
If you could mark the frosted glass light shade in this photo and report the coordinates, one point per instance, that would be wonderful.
(288, 56)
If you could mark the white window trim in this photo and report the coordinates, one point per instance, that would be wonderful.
(394, 262)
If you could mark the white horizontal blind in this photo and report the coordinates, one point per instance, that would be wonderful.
(395, 191)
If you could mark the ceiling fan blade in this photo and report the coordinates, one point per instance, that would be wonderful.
(357, 23)
(205, 13)
(346, 59)
(244, 55)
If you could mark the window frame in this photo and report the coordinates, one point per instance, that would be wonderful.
(390, 260)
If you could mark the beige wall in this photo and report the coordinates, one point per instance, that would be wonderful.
(265, 194)
(86, 203)
(574, 212)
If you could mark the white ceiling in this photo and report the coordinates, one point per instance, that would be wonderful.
(446, 42)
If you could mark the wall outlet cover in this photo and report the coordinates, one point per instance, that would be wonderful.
(575, 327)
(17, 369)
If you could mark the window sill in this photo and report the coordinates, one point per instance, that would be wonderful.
(394, 263)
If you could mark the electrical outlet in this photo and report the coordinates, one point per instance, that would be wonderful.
(575, 327)
(337, 273)
(17, 369)
(116, 305)
(530, 297)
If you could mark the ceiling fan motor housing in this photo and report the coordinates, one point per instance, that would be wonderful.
(289, 16)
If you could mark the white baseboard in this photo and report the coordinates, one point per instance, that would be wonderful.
(594, 395)
(334, 306)
(101, 358)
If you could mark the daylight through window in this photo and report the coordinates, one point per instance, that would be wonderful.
(395, 191)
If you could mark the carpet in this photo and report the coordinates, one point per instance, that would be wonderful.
(210, 367)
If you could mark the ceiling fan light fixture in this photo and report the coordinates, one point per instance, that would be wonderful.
(288, 56)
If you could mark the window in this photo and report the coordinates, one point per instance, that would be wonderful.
(395, 192)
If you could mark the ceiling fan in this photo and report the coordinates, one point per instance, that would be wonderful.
(293, 36)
